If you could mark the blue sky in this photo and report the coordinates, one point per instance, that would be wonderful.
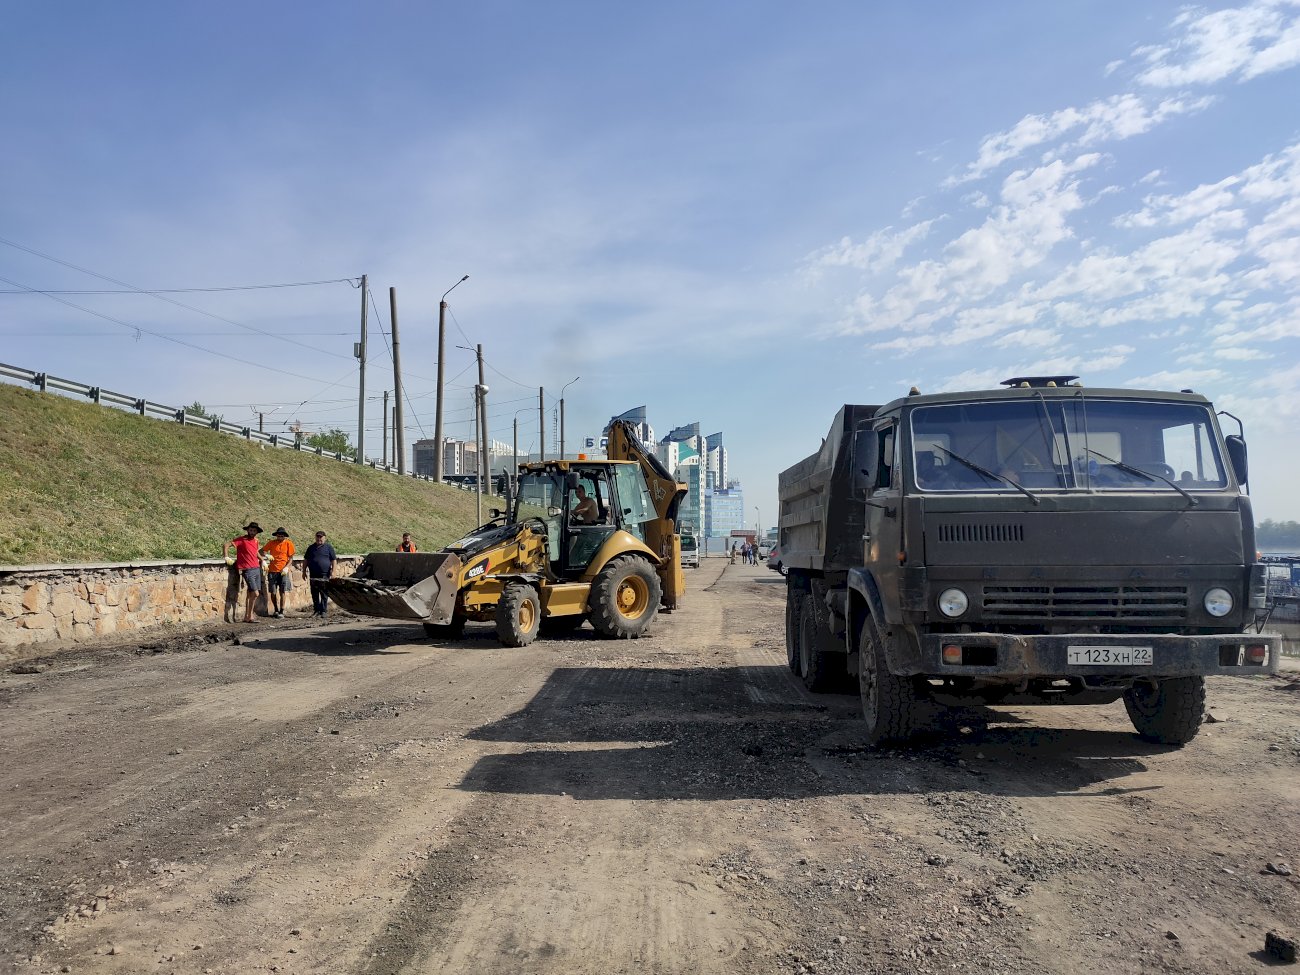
(742, 214)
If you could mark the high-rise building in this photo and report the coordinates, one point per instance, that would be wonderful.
(637, 417)
(726, 510)
(423, 455)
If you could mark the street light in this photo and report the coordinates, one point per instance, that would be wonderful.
(442, 345)
(758, 525)
(562, 389)
(515, 469)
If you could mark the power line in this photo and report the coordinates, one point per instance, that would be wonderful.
(160, 297)
(166, 338)
(90, 334)
(172, 291)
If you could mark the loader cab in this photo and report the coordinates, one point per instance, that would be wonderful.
(549, 493)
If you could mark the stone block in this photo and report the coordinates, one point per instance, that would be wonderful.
(83, 613)
(105, 625)
(62, 603)
(37, 621)
(36, 597)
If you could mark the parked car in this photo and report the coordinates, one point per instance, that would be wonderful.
(774, 560)
(765, 548)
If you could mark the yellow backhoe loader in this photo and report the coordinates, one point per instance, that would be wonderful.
(541, 564)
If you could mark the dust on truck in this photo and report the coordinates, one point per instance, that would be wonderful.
(1036, 544)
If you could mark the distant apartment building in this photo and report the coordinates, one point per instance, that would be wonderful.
(726, 510)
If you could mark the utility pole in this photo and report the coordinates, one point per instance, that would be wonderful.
(482, 392)
(361, 392)
(385, 428)
(442, 348)
(260, 418)
(514, 470)
(478, 450)
(399, 439)
(541, 423)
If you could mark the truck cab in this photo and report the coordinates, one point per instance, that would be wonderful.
(1041, 543)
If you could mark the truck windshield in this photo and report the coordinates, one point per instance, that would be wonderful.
(689, 544)
(1066, 444)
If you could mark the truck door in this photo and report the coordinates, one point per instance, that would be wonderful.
(879, 486)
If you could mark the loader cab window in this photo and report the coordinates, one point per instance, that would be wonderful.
(586, 534)
(635, 506)
(541, 496)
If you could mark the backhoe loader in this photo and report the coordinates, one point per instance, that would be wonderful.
(538, 566)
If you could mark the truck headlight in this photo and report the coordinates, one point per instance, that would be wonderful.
(953, 602)
(1218, 602)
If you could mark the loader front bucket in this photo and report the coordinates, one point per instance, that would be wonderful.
(401, 586)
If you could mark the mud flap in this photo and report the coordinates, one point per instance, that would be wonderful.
(401, 586)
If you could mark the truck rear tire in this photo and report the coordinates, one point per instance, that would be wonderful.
(625, 598)
(1170, 713)
(446, 631)
(819, 669)
(519, 615)
(890, 707)
(793, 601)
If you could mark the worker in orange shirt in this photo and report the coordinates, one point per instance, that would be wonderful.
(407, 545)
(280, 551)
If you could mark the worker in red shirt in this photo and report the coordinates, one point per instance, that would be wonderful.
(248, 563)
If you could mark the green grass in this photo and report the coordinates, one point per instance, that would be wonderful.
(86, 483)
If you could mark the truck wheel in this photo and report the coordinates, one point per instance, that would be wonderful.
(793, 601)
(519, 614)
(890, 708)
(817, 667)
(625, 598)
(1170, 713)
(446, 631)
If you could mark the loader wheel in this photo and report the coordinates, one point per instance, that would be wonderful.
(446, 631)
(625, 598)
(519, 615)
(1170, 713)
(793, 601)
(890, 707)
(816, 666)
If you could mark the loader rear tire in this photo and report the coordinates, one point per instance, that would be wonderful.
(625, 598)
(519, 615)
(1170, 713)
(446, 631)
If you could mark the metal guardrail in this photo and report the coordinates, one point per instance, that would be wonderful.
(107, 397)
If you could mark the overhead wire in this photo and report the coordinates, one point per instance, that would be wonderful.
(174, 291)
(160, 297)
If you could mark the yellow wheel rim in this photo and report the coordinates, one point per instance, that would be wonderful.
(633, 597)
(526, 615)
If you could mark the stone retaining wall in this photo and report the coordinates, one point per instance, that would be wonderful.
(44, 604)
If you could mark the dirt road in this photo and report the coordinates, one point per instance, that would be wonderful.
(354, 798)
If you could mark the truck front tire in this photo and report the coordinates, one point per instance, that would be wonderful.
(625, 598)
(1169, 713)
(519, 615)
(890, 708)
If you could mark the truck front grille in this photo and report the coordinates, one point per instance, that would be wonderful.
(981, 532)
(1148, 604)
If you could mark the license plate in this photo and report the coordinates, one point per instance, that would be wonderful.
(1104, 656)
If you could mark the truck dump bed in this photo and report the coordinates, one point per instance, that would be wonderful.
(821, 523)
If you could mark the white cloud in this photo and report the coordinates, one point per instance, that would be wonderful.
(1244, 42)
(1030, 338)
(879, 252)
(1109, 119)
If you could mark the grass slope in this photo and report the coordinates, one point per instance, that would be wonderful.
(87, 483)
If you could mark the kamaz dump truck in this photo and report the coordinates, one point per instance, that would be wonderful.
(1036, 544)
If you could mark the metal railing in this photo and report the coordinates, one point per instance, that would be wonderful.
(107, 397)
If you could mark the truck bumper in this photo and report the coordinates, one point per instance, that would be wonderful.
(1007, 655)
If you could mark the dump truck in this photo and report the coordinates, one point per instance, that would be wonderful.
(541, 564)
(1041, 543)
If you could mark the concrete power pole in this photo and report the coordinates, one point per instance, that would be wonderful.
(442, 350)
(399, 436)
(385, 428)
(482, 392)
(361, 392)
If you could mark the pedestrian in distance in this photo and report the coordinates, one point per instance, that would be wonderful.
(280, 552)
(406, 544)
(735, 546)
(318, 566)
(248, 564)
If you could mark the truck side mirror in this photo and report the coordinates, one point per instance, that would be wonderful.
(1237, 455)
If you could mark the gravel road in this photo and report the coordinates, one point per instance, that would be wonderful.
(355, 798)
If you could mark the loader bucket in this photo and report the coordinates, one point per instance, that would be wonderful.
(401, 586)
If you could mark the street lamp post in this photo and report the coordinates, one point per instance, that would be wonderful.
(562, 389)
(442, 345)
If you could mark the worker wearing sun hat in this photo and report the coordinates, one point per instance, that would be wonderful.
(248, 564)
(280, 551)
